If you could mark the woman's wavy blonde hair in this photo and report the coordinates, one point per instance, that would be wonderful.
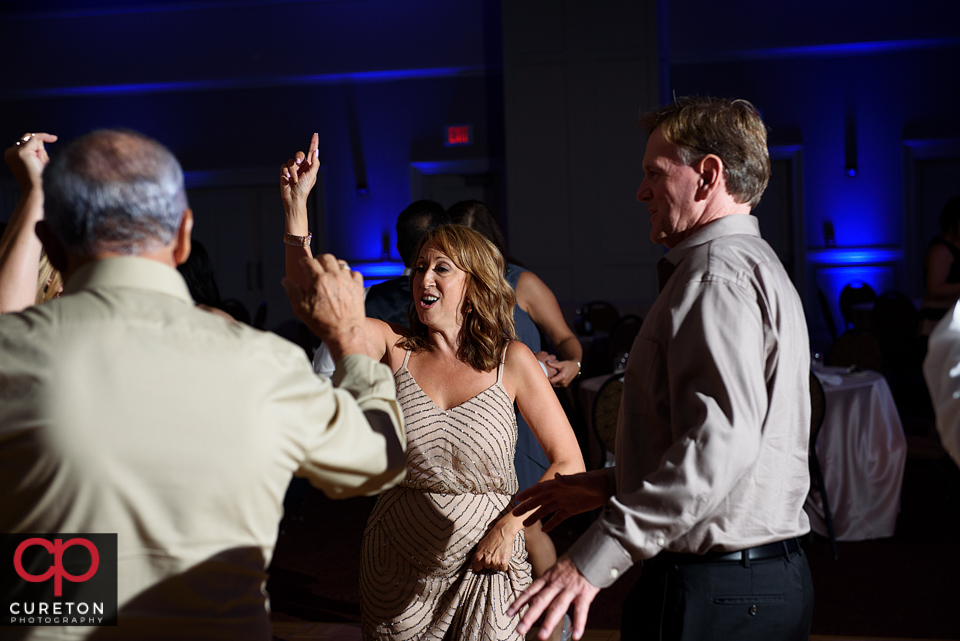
(487, 303)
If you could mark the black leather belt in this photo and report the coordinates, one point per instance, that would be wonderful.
(759, 553)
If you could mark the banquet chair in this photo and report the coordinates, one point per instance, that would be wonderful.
(818, 410)
(595, 320)
(856, 347)
(596, 316)
(895, 321)
(853, 294)
(621, 339)
(606, 408)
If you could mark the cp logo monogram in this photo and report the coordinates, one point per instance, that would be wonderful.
(56, 570)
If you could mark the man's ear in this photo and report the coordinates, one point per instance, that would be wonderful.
(710, 168)
(181, 248)
(56, 252)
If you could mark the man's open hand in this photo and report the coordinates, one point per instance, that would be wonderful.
(332, 306)
(553, 592)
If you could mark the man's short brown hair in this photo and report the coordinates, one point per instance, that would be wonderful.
(729, 129)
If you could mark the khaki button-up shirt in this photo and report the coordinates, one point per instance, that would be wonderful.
(125, 409)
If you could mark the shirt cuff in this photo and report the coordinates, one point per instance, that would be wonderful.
(364, 377)
(599, 557)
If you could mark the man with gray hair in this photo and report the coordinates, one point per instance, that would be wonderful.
(125, 409)
(711, 471)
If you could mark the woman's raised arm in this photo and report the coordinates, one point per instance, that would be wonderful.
(297, 179)
(19, 247)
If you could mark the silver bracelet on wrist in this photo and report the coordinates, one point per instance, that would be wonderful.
(297, 241)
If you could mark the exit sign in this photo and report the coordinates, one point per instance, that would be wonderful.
(458, 135)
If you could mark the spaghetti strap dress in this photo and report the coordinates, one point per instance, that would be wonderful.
(415, 575)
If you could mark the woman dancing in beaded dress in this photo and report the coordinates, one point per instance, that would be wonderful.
(443, 557)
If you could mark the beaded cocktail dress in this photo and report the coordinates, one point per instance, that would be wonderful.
(415, 576)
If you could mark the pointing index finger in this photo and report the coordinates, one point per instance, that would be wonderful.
(313, 151)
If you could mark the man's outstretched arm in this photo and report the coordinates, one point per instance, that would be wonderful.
(564, 496)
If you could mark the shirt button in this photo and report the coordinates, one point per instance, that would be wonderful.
(660, 541)
(614, 573)
(752, 610)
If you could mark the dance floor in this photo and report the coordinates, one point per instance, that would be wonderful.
(293, 631)
(303, 631)
(903, 587)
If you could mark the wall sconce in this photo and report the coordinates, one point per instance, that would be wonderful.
(385, 245)
(829, 237)
(850, 145)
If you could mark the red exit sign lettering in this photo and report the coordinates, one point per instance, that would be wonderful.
(458, 135)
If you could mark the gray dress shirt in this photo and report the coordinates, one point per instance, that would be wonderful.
(715, 417)
(125, 409)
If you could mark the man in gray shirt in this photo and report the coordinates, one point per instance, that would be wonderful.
(711, 471)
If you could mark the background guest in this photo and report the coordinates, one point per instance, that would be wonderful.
(26, 275)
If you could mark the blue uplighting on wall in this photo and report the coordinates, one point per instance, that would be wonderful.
(361, 77)
(842, 256)
(378, 272)
(134, 8)
(856, 48)
(842, 49)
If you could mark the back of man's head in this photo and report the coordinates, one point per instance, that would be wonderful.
(114, 191)
(413, 223)
(729, 129)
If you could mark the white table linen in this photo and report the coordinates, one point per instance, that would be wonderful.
(862, 452)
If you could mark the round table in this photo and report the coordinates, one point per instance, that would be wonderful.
(862, 452)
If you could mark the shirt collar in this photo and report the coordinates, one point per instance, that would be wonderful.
(726, 226)
(129, 271)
